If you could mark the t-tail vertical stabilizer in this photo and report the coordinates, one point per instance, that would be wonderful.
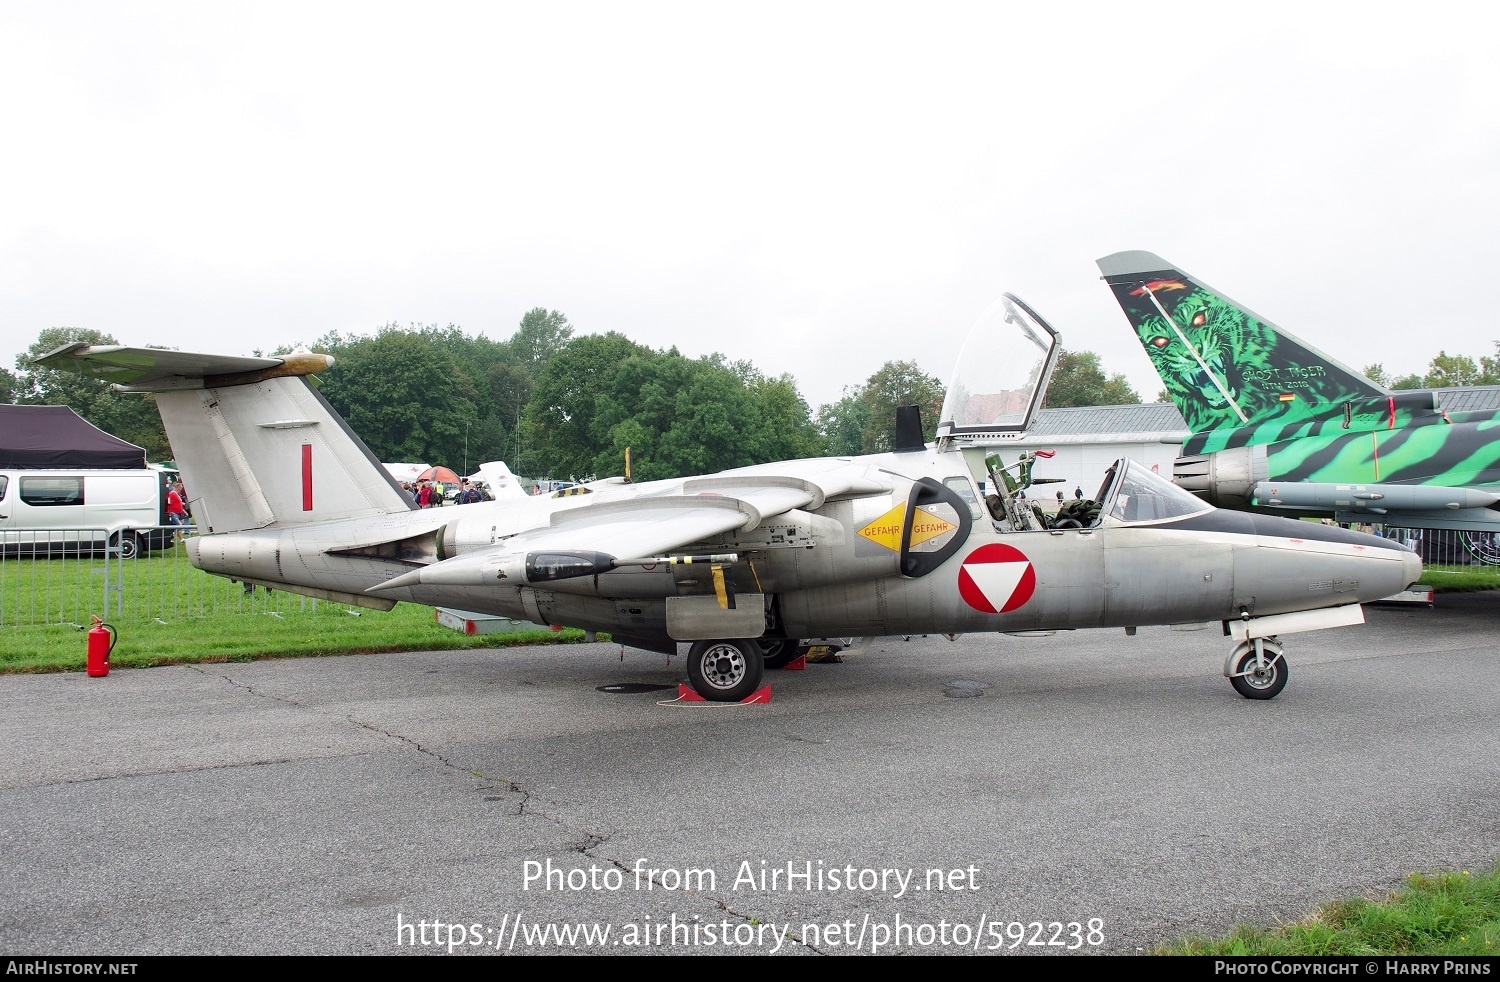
(1226, 368)
(258, 446)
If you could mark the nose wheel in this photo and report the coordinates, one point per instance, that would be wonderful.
(725, 671)
(1257, 669)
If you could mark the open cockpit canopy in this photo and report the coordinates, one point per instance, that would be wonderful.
(1001, 375)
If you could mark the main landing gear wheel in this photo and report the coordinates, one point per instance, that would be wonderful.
(725, 671)
(1255, 681)
(778, 652)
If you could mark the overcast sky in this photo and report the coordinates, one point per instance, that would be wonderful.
(818, 188)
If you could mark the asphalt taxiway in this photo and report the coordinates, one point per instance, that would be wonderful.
(1086, 792)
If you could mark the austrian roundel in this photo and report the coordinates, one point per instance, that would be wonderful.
(996, 578)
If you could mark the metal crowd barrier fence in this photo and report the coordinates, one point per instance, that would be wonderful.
(67, 576)
(1446, 549)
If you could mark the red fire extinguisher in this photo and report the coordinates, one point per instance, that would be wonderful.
(101, 642)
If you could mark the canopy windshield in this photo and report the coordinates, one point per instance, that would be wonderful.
(1133, 494)
(1002, 371)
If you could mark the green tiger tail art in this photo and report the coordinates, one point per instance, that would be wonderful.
(1223, 366)
(1279, 426)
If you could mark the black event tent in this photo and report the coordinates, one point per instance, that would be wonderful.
(34, 437)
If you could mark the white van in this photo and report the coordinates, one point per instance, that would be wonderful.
(68, 511)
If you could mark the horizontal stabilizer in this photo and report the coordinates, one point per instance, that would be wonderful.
(160, 370)
(257, 444)
(499, 479)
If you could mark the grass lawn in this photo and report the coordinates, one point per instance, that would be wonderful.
(1451, 913)
(174, 614)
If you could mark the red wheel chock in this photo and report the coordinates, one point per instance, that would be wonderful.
(798, 664)
(685, 693)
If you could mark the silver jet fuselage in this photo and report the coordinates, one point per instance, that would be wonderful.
(837, 569)
(749, 565)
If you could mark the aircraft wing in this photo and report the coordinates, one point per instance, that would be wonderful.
(595, 538)
(651, 526)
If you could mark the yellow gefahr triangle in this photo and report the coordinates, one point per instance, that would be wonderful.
(886, 530)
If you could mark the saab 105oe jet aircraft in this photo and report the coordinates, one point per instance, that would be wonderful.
(1278, 425)
(745, 565)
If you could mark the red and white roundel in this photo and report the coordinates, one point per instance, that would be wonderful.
(996, 578)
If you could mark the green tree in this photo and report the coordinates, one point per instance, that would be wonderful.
(485, 422)
(897, 383)
(710, 415)
(842, 424)
(1447, 371)
(1078, 380)
(1489, 367)
(406, 394)
(782, 428)
(8, 387)
(542, 334)
(558, 423)
(603, 394)
(1444, 372)
(461, 423)
(509, 391)
(131, 416)
(730, 415)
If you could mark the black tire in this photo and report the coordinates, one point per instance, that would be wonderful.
(128, 543)
(778, 652)
(1267, 684)
(725, 671)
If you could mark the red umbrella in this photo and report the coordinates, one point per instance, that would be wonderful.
(438, 474)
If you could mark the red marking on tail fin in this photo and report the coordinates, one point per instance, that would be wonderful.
(307, 502)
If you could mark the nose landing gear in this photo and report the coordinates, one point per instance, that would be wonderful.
(1257, 669)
